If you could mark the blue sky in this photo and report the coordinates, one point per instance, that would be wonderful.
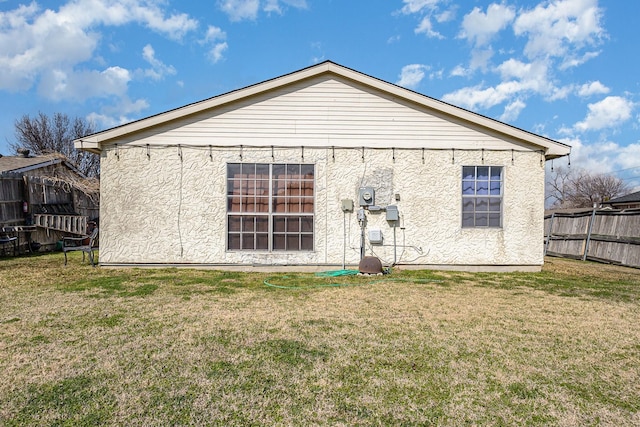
(566, 69)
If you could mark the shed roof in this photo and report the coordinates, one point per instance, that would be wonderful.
(551, 148)
(629, 198)
(22, 164)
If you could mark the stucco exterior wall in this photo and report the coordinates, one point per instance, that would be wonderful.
(167, 205)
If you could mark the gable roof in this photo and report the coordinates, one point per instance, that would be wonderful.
(551, 148)
(629, 198)
(22, 164)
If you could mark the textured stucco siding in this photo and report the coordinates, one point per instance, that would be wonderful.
(167, 205)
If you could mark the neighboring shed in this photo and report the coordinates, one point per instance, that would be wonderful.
(47, 192)
(267, 176)
(629, 201)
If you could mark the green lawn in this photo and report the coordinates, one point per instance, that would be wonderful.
(94, 346)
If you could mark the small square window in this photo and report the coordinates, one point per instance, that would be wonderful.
(481, 196)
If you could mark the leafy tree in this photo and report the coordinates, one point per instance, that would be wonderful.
(45, 134)
(578, 188)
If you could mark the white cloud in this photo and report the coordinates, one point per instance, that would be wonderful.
(608, 113)
(158, 69)
(459, 71)
(571, 61)
(411, 75)
(57, 84)
(479, 27)
(446, 16)
(47, 45)
(426, 9)
(426, 27)
(603, 156)
(216, 52)
(475, 97)
(119, 114)
(592, 88)
(512, 111)
(274, 5)
(480, 59)
(239, 10)
(416, 6)
(215, 36)
(554, 28)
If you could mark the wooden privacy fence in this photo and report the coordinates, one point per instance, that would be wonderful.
(597, 235)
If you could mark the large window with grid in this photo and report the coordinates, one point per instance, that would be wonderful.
(270, 207)
(482, 196)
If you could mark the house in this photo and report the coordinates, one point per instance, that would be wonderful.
(629, 201)
(315, 169)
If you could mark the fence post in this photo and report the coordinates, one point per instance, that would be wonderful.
(586, 246)
(546, 244)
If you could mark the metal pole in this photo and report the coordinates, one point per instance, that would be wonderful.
(586, 246)
(550, 232)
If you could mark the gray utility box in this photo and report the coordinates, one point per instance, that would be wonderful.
(392, 213)
(366, 196)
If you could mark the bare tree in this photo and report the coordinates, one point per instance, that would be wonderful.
(577, 188)
(46, 135)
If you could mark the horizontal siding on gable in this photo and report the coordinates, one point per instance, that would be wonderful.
(321, 112)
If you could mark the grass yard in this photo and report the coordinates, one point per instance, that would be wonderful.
(138, 347)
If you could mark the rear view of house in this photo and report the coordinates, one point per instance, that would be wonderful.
(318, 168)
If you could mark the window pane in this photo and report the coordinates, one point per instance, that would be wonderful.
(293, 205)
(233, 204)
(307, 204)
(262, 224)
(293, 225)
(496, 173)
(278, 242)
(307, 171)
(248, 168)
(468, 187)
(247, 241)
(233, 169)
(495, 188)
(234, 223)
(248, 223)
(248, 204)
(293, 170)
(494, 220)
(467, 220)
(481, 220)
(494, 204)
(234, 241)
(262, 241)
(293, 243)
(262, 169)
(306, 224)
(279, 224)
(468, 172)
(482, 204)
(482, 187)
(483, 173)
(306, 243)
(278, 171)
(468, 205)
